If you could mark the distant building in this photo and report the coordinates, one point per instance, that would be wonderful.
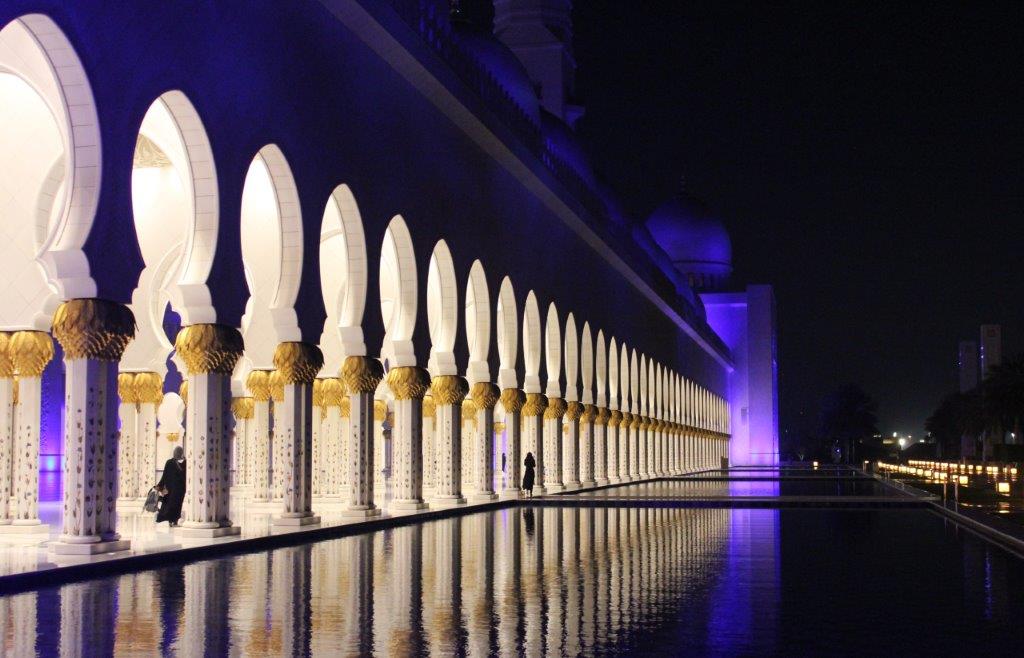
(991, 348)
(968, 364)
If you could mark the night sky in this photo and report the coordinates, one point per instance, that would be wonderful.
(866, 159)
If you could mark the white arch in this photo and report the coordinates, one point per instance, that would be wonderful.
(553, 352)
(398, 294)
(52, 157)
(478, 324)
(586, 365)
(507, 327)
(613, 374)
(442, 311)
(272, 258)
(531, 344)
(343, 278)
(601, 370)
(572, 360)
(645, 399)
(634, 383)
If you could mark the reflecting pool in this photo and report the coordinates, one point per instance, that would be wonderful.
(742, 487)
(562, 581)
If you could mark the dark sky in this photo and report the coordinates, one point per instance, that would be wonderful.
(866, 159)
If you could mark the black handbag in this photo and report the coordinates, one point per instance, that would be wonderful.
(152, 500)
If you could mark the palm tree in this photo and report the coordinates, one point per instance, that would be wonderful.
(848, 417)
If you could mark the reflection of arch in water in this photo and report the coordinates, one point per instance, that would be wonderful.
(398, 294)
(442, 311)
(343, 279)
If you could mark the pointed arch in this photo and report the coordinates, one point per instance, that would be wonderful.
(613, 374)
(507, 328)
(572, 359)
(553, 352)
(634, 383)
(601, 370)
(442, 310)
(343, 278)
(531, 344)
(398, 290)
(478, 324)
(586, 365)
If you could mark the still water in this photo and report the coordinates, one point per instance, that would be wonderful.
(560, 581)
(698, 488)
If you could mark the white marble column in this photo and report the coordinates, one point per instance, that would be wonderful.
(625, 454)
(553, 444)
(360, 376)
(6, 430)
(149, 387)
(634, 446)
(128, 413)
(258, 383)
(429, 445)
(408, 384)
(30, 351)
(616, 456)
(512, 399)
(448, 392)
(643, 448)
(336, 406)
(298, 364)
(602, 446)
(318, 411)
(244, 410)
(93, 334)
(277, 441)
(485, 395)
(587, 446)
(571, 445)
(533, 437)
(210, 352)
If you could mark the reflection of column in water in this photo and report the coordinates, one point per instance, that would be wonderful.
(380, 463)
(478, 536)
(614, 573)
(588, 577)
(294, 563)
(553, 579)
(206, 608)
(137, 614)
(572, 575)
(532, 584)
(406, 590)
(509, 581)
(85, 610)
(357, 628)
(444, 628)
(329, 583)
(18, 623)
(247, 598)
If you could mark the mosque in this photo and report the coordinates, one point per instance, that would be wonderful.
(351, 256)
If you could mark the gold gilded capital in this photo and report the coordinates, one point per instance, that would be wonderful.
(149, 387)
(30, 351)
(243, 408)
(207, 348)
(589, 413)
(615, 418)
(603, 416)
(6, 365)
(448, 389)
(429, 408)
(346, 407)
(258, 383)
(408, 382)
(183, 391)
(361, 374)
(93, 329)
(380, 410)
(556, 408)
(499, 427)
(535, 404)
(333, 391)
(485, 395)
(298, 363)
(512, 399)
(276, 382)
(318, 393)
(126, 388)
(573, 410)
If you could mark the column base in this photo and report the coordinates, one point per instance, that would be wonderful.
(555, 488)
(447, 502)
(26, 527)
(614, 479)
(295, 521)
(589, 484)
(486, 497)
(602, 482)
(207, 533)
(64, 548)
(398, 507)
(540, 490)
(571, 486)
(360, 512)
(510, 494)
